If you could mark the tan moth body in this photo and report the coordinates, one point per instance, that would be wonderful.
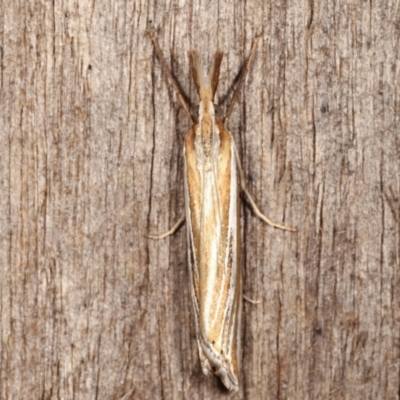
(212, 214)
(212, 211)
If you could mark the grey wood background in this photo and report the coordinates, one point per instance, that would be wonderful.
(91, 162)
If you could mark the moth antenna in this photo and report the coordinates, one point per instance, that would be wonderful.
(214, 75)
(195, 68)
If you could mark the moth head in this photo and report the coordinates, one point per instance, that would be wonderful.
(206, 106)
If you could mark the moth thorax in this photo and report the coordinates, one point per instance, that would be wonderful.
(207, 129)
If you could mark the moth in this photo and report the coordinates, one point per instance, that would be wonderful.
(213, 177)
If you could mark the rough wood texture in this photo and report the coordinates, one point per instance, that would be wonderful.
(91, 161)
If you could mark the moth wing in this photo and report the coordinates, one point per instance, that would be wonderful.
(213, 233)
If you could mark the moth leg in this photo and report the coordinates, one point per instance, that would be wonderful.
(251, 300)
(252, 202)
(171, 231)
(242, 77)
(168, 72)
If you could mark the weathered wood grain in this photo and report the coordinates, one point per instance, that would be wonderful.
(91, 161)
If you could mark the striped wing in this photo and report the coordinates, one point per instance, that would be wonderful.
(213, 218)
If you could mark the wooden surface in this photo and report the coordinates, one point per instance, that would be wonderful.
(91, 162)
